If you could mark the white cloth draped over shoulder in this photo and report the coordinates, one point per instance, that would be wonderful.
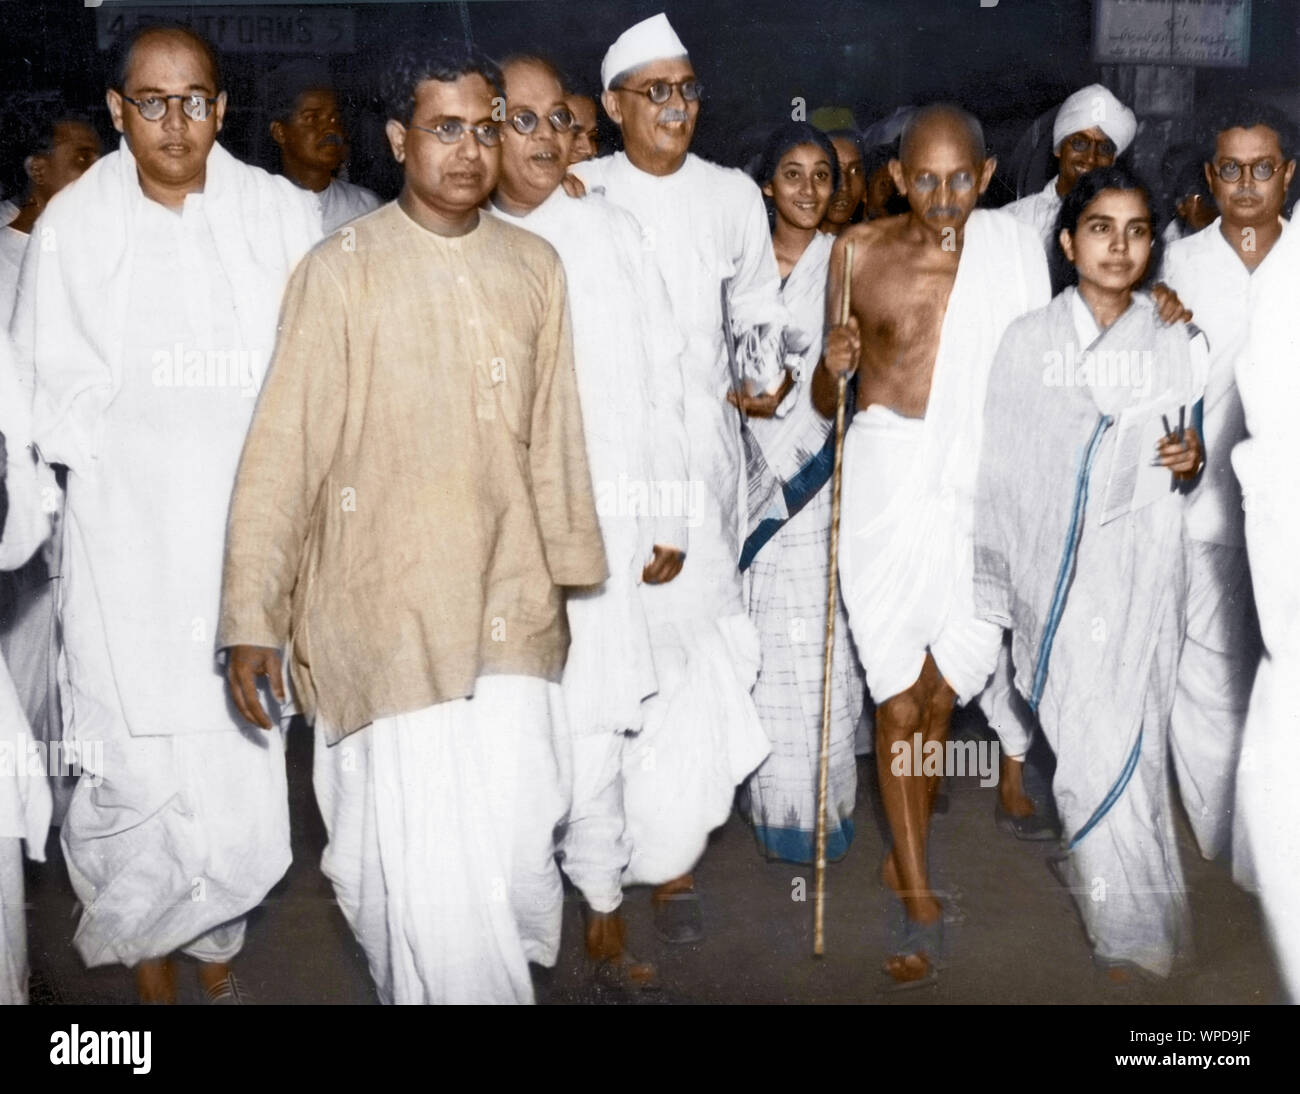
(25, 804)
(787, 602)
(146, 332)
(1046, 567)
(24, 798)
(145, 389)
(1039, 211)
(704, 225)
(1268, 790)
(627, 353)
(1223, 648)
(909, 484)
(797, 431)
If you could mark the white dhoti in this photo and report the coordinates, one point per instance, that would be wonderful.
(701, 738)
(441, 850)
(171, 841)
(1215, 675)
(595, 849)
(1267, 833)
(906, 562)
(13, 924)
(1007, 712)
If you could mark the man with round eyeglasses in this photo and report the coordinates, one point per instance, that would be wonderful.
(413, 499)
(627, 357)
(1220, 272)
(706, 228)
(1091, 129)
(146, 320)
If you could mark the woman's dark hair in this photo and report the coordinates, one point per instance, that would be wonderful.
(1077, 201)
(788, 136)
(446, 60)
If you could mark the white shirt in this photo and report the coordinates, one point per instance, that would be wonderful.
(1039, 211)
(145, 536)
(1268, 382)
(705, 224)
(1212, 281)
(13, 245)
(342, 201)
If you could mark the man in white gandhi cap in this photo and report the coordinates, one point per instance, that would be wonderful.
(1092, 128)
(706, 228)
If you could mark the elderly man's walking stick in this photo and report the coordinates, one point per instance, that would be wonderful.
(832, 588)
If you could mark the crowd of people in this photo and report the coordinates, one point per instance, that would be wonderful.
(519, 491)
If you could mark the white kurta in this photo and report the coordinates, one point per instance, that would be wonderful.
(627, 355)
(342, 201)
(24, 794)
(1222, 648)
(703, 225)
(1039, 211)
(13, 244)
(1268, 786)
(148, 332)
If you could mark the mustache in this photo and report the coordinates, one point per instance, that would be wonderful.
(671, 114)
(943, 212)
(330, 138)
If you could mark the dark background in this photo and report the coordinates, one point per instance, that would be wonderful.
(1008, 63)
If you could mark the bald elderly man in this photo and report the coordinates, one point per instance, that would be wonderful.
(1091, 129)
(932, 293)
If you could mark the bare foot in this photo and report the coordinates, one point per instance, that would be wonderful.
(683, 884)
(607, 945)
(212, 974)
(908, 967)
(1011, 788)
(155, 981)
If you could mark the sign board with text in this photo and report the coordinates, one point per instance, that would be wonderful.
(1172, 32)
(237, 29)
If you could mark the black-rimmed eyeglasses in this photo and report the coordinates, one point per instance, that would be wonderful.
(526, 121)
(661, 91)
(1260, 170)
(152, 107)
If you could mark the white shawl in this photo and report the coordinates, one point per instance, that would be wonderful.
(68, 321)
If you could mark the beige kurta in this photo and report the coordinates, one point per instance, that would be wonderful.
(414, 491)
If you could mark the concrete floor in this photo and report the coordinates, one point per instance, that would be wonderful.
(1021, 941)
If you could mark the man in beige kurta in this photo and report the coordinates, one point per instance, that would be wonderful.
(413, 494)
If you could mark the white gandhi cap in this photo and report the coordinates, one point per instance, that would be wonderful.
(651, 39)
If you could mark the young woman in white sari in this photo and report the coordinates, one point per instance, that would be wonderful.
(1091, 442)
(787, 559)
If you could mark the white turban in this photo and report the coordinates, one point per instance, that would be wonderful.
(1092, 106)
(651, 39)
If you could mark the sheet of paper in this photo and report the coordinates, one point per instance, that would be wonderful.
(1133, 482)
